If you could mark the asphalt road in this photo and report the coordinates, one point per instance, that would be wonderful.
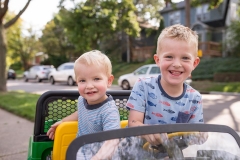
(39, 88)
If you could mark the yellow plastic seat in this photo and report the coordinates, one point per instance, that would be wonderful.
(123, 123)
(64, 135)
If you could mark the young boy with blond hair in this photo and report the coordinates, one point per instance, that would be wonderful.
(166, 99)
(96, 109)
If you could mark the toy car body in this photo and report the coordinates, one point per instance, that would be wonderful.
(183, 142)
(52, 106)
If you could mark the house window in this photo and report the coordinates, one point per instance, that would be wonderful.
(174, 17)
(202, 12)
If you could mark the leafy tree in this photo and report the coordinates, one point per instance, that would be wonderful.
(212, 4)
(148, 10)
(233, 40)
(89, 23)
(23, 46)
(15, 29)
(3, 47)
(56, 44)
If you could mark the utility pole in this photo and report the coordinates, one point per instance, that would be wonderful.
(187, 13)
(128, 49)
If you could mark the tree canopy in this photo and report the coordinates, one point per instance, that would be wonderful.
(93, 21)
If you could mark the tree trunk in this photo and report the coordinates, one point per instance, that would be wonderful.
(3, 51)
(187, 13)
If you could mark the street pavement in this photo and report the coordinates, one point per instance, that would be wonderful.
(15, 131)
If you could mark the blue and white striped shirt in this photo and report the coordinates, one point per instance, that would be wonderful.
(98, 117)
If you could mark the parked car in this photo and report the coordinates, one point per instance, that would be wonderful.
(11, 74)
(64, 73)
(38, 73)
(127, 81)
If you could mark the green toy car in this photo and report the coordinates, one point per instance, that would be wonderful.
(51, 107)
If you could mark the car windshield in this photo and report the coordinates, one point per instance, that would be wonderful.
(141, 71)
(181, 142)
(155, 70)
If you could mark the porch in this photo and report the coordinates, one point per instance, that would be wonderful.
(210, 49)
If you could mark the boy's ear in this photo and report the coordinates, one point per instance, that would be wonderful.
(110, 80)
(156, 58)
(196, 62)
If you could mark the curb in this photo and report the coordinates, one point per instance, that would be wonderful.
(222, 93)
(226, 93)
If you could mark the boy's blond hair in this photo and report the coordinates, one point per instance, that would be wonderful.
(97, 58)
(178, 32)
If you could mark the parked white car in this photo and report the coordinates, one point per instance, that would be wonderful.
(64, 73)
(38, 73)
(127, 81)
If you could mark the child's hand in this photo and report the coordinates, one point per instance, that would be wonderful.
(196, 138)
(155, 139)
(51, 131)
(107, 150)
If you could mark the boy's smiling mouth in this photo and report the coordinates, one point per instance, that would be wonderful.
(92, 92)
(176, 73)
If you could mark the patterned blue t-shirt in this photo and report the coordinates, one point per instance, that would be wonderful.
(148, 96)
(99, 117)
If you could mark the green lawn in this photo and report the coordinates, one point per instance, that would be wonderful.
(19, 103)
(226, 87)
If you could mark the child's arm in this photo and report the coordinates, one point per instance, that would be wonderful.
(136, 119)
(107, 150)
(51, 131)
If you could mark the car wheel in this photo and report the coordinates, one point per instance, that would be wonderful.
(25, 78)
(70, 81)
(125, 85)
(52, 81)
(38, 79)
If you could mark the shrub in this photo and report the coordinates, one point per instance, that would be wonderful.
(208, 67)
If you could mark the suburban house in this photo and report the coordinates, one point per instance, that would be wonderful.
(210, 25)
(143, 47)
(38, 58)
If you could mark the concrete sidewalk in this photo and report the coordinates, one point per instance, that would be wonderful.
(14, 136)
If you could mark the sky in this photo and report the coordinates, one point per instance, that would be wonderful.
(38, 13)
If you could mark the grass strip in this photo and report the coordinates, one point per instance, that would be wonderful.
(20, 103)
(226, 87)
